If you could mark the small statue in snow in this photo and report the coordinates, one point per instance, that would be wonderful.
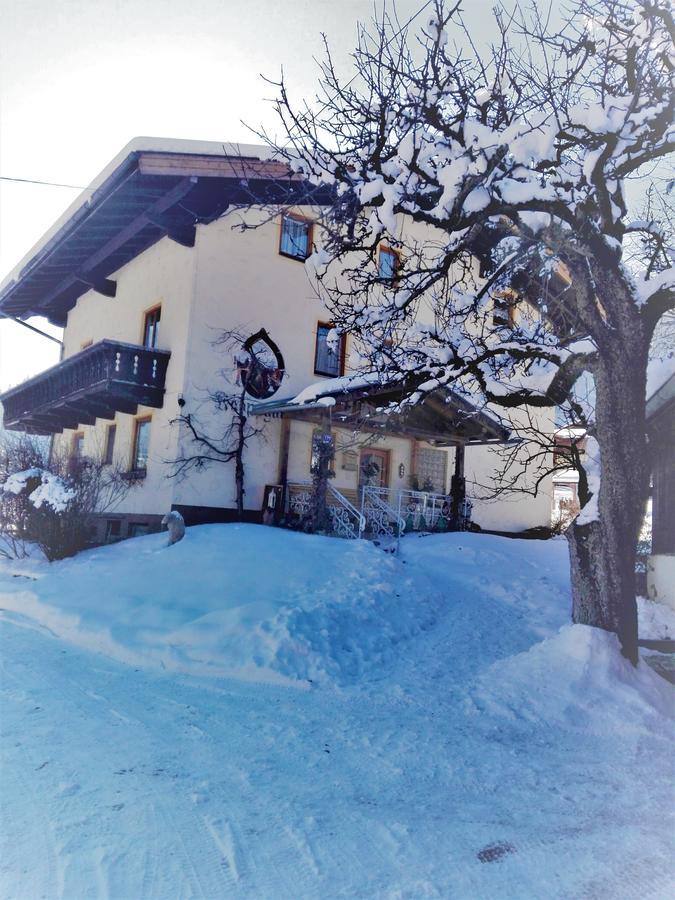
(175, 525)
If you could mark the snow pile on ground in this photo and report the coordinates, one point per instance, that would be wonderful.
(458, 739)
(240, 600)
(576, 680)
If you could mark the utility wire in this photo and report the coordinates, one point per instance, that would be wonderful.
(75, 187)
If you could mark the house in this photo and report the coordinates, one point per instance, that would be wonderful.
(568, 441)
(661, 431)
(144, 271)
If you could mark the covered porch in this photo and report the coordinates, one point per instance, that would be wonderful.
(389, 468)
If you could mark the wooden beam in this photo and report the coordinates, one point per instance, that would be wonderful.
(105, 286)
(98, 409)
(284, 445)
(183, 234)
(51, 420)
(83, 416)
(121, 238)
(235, 167)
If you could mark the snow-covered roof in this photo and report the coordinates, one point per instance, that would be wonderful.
(464, 420)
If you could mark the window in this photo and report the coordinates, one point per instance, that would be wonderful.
(387, 264)
(503, 310)
(296, 237)
(76, 461)
(329, 355)
(77, 448)
(141, 444)
(113, 530)
(109, 444)
(431, 469)
(138, 529)
(151, 328)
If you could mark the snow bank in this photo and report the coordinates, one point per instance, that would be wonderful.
(577, 679)
(233, 600)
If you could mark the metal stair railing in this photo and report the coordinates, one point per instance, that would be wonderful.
(381, 517)
(346, 519)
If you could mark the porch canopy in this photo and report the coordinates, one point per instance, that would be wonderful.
(364, 403)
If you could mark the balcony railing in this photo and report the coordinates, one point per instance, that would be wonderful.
(103, 379)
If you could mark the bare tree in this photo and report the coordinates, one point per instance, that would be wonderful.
(229, 430)
(521, 155)
(53, 501)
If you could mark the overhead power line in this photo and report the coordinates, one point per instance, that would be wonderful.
(75, 187)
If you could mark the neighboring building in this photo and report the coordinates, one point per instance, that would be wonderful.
(661, 430)
(566, 477)
(144, 271)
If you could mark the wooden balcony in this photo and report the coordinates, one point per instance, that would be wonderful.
(104, 379)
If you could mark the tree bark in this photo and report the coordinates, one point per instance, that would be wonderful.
(320, 514)
(603, 552)
(239, 456)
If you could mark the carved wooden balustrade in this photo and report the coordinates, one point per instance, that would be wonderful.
(101, 380)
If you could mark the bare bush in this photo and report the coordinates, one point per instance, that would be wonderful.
(52, 502)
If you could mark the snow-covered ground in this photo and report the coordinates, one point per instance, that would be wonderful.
(259, 714)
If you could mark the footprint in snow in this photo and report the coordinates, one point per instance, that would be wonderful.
(493, 852)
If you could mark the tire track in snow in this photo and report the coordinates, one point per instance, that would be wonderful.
(41, 830)
(202, 864)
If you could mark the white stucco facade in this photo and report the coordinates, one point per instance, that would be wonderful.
(236, 280)
(661, 578)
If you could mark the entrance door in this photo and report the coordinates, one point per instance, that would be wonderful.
(374, 468)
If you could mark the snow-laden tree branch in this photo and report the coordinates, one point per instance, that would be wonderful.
(518, 157)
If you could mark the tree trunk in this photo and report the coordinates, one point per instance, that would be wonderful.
(324, 453)
(603, 552)
(239, 457)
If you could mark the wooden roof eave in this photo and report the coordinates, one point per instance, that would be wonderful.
(148, 196)
(428, 421)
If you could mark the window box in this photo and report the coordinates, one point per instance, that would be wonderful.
(135, 474)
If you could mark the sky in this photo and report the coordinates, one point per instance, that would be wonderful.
(80, 78)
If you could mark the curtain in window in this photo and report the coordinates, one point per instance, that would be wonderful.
(142, 445)
(328, 356)
(294, 238)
